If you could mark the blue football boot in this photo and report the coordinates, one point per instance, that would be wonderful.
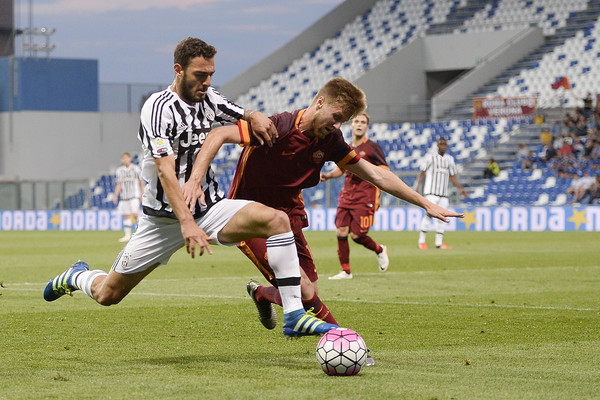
(63, 283)
(303, 323)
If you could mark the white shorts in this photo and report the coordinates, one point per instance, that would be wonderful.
(438, 200)
(128, 207)
(158, 238)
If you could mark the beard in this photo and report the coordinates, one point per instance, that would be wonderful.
(186, 92)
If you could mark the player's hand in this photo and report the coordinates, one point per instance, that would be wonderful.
(192, 193)
(323, 177)
(115, 201)
(195, 236)
(464, 193)
(263, 128)
(441, 213)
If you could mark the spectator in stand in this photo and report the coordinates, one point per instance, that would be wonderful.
(580, 122)
(522, 152)
(548, 151)
(529, 162)
(573, 186)
(565, 148)
(539, 118)
(554, 129)
(584, 184)
(546, 136)
(588, 106)
(594, 191)
(590, 141)
(578, 148)
(492, 170)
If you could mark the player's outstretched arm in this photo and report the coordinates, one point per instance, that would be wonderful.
(192, 189)
(192, 233)
(390, 183)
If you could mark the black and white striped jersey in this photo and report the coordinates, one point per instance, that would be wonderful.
(129, 178)
(171, 126)
(438, 170)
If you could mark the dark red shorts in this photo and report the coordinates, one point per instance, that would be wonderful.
(256, 251)
(359, 219)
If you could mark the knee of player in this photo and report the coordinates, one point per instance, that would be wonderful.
(279, 222)
(357, 238)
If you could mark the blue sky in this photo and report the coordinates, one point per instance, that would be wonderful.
(134, 39)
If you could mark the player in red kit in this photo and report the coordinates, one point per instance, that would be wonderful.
(275, 176)
(358, 201)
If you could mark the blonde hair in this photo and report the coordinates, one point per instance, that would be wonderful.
(343, 92)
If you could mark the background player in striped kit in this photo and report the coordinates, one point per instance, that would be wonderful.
(129, 188)
(437, 169)
(358, 201)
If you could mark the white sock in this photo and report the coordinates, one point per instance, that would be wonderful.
(439, 235)
(83, 280)
(127, 226)
(283, 258)
(424, 229)
(439, 238)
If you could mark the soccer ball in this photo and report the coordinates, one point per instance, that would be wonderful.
(341, 351)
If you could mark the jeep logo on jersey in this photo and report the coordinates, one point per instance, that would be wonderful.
(318, 156)
(188, 139)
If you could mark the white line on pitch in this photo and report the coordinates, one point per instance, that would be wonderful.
(402, 303)
(446, 271)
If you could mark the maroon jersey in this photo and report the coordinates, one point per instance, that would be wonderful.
(275, 176)
(357, 192)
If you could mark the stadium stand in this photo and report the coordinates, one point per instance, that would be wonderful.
(570, 50)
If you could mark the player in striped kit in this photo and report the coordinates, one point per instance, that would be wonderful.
(128, 193)
(358, 201)
(174, 125)
(437, 169)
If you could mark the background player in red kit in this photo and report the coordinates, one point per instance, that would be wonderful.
(358, 200)
(275, 176)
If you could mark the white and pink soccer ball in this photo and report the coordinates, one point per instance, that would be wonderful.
(341, 351)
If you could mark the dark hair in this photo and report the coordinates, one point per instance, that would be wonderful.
(190, 48)
(344, 92)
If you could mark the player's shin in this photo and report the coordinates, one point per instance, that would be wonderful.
(319, 309)
(343, 250)
(84, 280)
(369, 243)
(283, 257)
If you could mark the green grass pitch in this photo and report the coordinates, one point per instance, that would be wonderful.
(501, 316)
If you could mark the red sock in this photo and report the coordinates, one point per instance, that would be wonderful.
(268, 294)
(321, 311)
(346, 268)
(271, 294)
(343, 250)
(369, 243)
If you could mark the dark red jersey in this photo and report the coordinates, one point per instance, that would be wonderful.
(357, 192)
(275, 176)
